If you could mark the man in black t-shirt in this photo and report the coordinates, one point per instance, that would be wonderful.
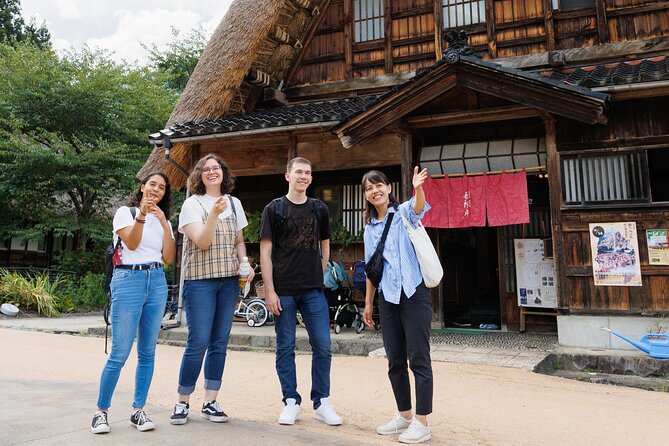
(294, 251)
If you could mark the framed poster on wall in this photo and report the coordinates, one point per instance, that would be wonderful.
(658, 246)
(535, 274)
(615, 254)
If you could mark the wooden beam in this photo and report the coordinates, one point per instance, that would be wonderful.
(520, 23)
(602, 25)
(490, 27)
(555, 195)
(438, 26)
(473, 116)
(406, 154)
(387, 39)
(532, 94)
(359, 86)
(348, 38)
(548, 24)
(306, 38)
(652, 7)
(292, 147)
(427, 9)
(575, 14)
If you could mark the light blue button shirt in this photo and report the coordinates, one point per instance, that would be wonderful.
(401, 270)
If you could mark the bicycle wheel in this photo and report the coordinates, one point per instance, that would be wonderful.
(257, 311)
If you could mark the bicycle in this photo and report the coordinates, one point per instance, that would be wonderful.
(254, 310)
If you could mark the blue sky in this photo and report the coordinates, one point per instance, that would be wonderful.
(121, 26)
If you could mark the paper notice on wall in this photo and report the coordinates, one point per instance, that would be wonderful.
(658, 246)
(615, 254)
(535, 275)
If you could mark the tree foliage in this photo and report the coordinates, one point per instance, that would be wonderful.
(13, 29)
(72, 136)
(179, 58)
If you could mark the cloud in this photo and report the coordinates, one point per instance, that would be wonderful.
(147, 27)
(121, 26)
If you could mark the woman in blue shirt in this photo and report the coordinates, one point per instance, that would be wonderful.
(405, 308)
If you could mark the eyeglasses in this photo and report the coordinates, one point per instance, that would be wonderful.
(211, 169)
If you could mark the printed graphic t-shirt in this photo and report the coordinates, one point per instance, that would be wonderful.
(296, 254)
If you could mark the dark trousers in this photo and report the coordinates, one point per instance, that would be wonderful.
(406, 336)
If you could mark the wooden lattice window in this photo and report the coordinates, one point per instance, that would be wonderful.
(458, 13)
(605, 179)
(369, 20)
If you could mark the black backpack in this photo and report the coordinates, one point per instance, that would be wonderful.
(109, 272)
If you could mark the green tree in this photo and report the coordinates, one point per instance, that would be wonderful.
(14, 29)
(179, 58)
(72, 137)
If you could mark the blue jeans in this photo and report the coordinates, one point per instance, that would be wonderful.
(314, 309)
(137, 308)
(210, 308)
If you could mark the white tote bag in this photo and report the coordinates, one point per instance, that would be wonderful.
(427, 256)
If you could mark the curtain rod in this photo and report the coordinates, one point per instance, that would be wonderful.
(494, 172)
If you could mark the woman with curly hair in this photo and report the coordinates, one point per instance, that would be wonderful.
(138, 293)
(212, 222)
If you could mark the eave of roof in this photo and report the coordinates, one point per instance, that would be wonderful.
(479, 75)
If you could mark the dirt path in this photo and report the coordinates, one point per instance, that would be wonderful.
(474, 405)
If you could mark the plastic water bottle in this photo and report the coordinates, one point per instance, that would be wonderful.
(244, 271)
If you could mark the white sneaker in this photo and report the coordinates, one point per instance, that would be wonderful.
(289, 412)
(415, 433)
(327, 414)
(395, 426)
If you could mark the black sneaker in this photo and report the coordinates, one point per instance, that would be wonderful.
(141, 421)
(180, 413)
(212, 412)
(100, 425)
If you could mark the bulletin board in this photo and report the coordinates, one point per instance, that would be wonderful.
(535, 274)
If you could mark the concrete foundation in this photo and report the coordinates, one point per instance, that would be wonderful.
(584, 331)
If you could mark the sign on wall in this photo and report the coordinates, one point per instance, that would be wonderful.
(658, 246)
(535, 275)
(615, 254)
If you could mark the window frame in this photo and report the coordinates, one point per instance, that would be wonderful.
(557, 6)
(447, 5)
(378, 22)
(644, 181)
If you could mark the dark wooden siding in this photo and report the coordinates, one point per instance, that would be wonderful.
(633, 125)
(415, 35)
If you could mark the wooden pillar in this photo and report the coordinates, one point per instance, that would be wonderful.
(438, 29)
(292, 147)
(555, 194)
(406, 155)
(348, 38)
(602, 24)
(387, 38)
(548, 24)
(490, 27)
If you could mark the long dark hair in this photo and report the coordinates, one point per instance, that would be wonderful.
(376, 177)
(165, 203)
(195, 184)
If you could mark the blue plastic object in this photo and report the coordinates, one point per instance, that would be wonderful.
(654, 344)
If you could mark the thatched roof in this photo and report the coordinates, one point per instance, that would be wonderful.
(245, 39)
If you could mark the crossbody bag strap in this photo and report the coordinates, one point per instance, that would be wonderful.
(386, 228)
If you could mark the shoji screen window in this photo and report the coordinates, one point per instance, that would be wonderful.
(458, 13)
(369, 20)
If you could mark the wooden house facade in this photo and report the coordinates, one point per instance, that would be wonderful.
(573, 91)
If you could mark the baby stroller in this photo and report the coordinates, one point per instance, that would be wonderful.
(359, 283)
(343, 310)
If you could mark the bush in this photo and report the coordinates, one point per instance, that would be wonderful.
(35, 293)
(83, 294)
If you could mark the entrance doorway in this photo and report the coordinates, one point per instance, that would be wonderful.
(471, 285)
(479, 285)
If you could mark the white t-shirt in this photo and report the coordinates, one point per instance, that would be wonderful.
(150, 248)
(193, 210)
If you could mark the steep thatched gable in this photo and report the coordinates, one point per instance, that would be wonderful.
(261, 35)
